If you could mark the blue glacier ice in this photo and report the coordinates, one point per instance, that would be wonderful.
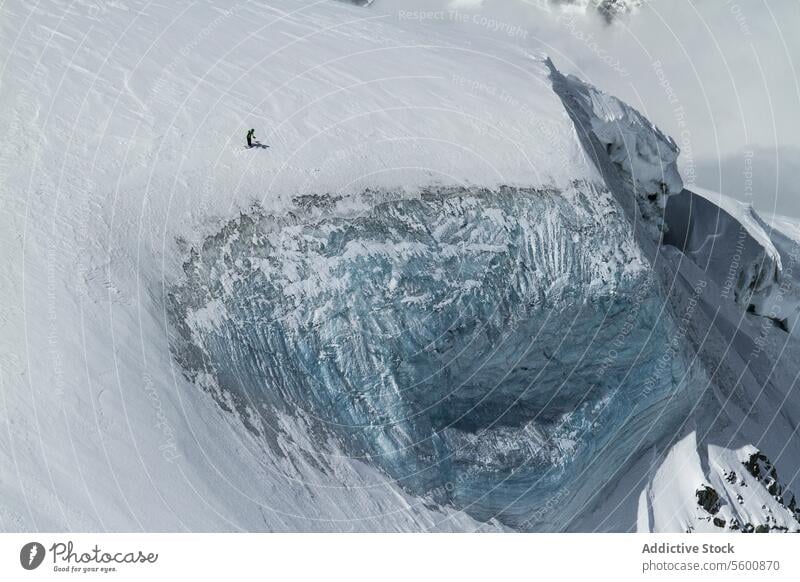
(503, 351)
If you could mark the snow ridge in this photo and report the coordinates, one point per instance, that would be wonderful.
(739, 492)
(638, 162)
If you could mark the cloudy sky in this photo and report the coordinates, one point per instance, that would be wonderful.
(720, 76)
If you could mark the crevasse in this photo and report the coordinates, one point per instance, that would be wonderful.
(501, 350)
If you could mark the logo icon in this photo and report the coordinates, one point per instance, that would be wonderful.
(31, 555)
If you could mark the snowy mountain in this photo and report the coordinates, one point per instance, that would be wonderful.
(452, 289)
(610, 10)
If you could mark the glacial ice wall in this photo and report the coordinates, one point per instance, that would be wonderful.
(488, 349)
(638, 162)
(739, 256)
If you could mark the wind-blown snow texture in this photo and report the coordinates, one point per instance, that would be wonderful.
(458, 291)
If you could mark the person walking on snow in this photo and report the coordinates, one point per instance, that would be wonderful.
(251, 136)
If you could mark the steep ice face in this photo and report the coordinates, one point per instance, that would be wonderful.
(727, 477)
(502, 350)
(752, 262)
(487, 349)
(473, 345)
(732, 248)
(638, 161)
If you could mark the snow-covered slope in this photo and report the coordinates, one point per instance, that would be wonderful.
(609, 9)
(703, 225)
(736, 472)
(124, 130)
(740, 491)
(435, 298)
(750, 259)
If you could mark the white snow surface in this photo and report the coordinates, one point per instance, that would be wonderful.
(124, 126)
(123, 130)
(669, 503)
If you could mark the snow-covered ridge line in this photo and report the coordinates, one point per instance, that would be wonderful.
(725, 238)
(753, 263)
(731, 285)
(740, 491)
(637, 160)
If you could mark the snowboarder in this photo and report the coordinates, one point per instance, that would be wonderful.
(251, 135)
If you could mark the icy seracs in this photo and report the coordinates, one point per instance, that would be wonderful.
(475, 345)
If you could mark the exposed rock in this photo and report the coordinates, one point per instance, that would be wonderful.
(752, 464)
(708, 499)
